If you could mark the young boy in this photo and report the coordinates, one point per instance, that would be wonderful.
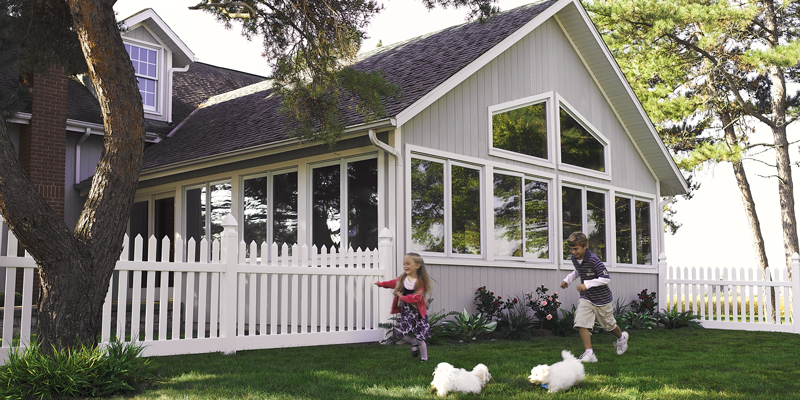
(595, 301)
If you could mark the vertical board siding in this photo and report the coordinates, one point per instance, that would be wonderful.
(541, 62)
(142, 34)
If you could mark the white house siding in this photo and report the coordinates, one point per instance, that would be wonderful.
(142, 34)
(91, 151)
(458, 124)
(454, 285)
(543, 61)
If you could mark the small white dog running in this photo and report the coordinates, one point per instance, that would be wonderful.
(447, 378)
(559, 376)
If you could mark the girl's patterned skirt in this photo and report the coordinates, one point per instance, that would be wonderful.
(410, 323)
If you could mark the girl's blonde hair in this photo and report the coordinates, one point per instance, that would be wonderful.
(422, 276)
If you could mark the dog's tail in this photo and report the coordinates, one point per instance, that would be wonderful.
(566, 355)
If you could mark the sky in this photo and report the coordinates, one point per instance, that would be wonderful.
(715, 230)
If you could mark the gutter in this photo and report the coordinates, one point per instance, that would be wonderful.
(78, 154)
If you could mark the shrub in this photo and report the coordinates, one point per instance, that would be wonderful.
(84, 371)
(674, 319)
(544, 306)
(467, 327)
(647, 303)
(491, 306)
(565, 326)
(632, 320)
(17, 299)
(517, 324)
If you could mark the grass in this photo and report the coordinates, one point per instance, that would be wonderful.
(659, 364)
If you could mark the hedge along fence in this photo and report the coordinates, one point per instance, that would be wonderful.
(733, 298)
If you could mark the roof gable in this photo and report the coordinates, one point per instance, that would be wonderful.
(181, 54)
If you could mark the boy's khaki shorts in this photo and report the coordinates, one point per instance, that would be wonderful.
(586, 313)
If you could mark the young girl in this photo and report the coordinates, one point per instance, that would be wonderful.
(410, 290)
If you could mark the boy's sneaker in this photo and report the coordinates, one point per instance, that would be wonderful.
(587, 357)
(622, 343)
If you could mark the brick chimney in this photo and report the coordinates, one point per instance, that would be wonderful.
(43, 143)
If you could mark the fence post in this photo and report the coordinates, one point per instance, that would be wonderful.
(385, 251)
(795, 288)
(227, 294)
(662, 281)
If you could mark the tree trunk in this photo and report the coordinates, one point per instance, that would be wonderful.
(749, 208)
(75, 268)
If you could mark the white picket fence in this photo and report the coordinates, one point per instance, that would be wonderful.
(733, 298)
(231, 302)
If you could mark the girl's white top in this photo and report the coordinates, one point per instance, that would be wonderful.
(409, 283)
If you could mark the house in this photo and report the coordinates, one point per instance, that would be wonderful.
(60, 146)
(510, 135)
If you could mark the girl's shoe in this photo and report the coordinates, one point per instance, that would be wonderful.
(414, 351)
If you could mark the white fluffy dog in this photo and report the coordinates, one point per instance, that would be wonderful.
(559, 376)
(447, 378)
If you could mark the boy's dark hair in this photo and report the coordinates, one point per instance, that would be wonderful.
(577, 239)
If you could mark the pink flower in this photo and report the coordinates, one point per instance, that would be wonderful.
(550, 298)
(527, 293)
(544, 302)
(555, 293)
(549, 317)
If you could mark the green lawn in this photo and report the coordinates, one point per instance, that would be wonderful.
(660, 364)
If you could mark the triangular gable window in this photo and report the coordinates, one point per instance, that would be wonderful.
(579, 147)
(522, 130)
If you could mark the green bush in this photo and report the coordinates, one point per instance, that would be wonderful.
(516, 324)
(17, 299)
(467, 327)
(674, 319)
(632, 320)
(84, 371)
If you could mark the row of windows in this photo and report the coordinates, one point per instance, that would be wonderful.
(446, 217)
(446, 212)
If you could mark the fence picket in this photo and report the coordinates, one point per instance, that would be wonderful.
(215, 300)
(27, 300)
(201, 304)
(263, 303)
(188, 329)
(252, 286)
(163, 299)
(177, 297)
(150, 299)
(8, 312)
(105, 329)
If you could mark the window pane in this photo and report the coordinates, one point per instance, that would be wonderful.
(523, 130)
(578, 146)
(220, 207)
(195, 219)
(596, 221)
(537, 226)
(164, 226)
(622, 216)
(507, 215)
(427, 206)
(138, 224)
(643, 245)
(466, 190)
(284, 210)
(571, 215)
(326, 207)
(255, 210)
(362, 201)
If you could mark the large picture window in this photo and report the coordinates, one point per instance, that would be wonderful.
(145, 65)
(359, 199)
(578, 146)
(584, 210)
(435, 230)
(520, 217)
(522, 130)
(270, 210)
(633, 235)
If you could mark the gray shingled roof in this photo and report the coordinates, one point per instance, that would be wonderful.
(189, 89)
(419, 65)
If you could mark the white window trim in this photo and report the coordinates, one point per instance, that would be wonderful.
(583, 187)
(547, 99)
(160, 84)
(525, 255)
(561, 103)
(270, 200)
(343, 204)
(207, 185)
(653, 218)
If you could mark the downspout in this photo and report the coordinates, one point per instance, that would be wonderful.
(78, 154)
(169, 104)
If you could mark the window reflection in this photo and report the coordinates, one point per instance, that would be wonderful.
(578, 146)
(427, 206)
(326, 207)
(466, 185)
(284, 209)
(596, 223)
(523, 130)
(622, 212)
(507, 215)
(571, 215)
(537, 228)
(362, 202)
(643, 244)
